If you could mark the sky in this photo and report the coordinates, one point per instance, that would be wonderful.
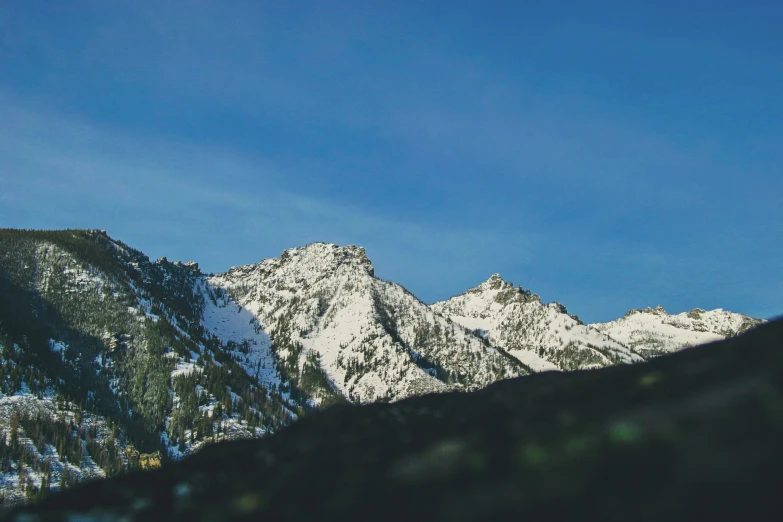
(605, 155)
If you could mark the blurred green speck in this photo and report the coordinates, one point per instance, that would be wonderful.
(535, 455)
(624, 431)
(249, 502)
(576, 445)
(650, 378)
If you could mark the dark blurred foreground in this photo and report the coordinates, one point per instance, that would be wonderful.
(697, 435)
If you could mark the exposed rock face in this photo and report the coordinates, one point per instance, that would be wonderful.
(696, 435)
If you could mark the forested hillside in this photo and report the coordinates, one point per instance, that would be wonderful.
(89, 322)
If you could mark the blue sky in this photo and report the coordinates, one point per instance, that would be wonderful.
(606, 155)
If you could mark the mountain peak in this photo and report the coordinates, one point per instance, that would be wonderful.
(495, 282)
(328, 255)
(309, 262)
(658, 310)
(498, 289)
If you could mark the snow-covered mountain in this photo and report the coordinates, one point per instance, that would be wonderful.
(542, 336)
(362, 337)
(652, 331)
(110, 350)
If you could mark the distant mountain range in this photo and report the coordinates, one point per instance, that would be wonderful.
(117, 351)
